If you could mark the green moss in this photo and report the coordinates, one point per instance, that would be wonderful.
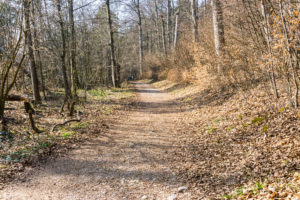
(265, 129)
(258, 120)
(246, 125)
(100, 93)
(281, 109)
(187, 99)
(227, 197)
(68, 134)
(258, 186)
(80, 125)
(211, 129)
(240, 191)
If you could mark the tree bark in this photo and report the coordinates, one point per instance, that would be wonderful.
(33, 71)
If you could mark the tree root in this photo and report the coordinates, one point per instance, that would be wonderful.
(30, 111)
(66, 122)
(70, 105)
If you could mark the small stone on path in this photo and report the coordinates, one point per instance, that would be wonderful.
(144, 197)
(172, 197)
(182, 189)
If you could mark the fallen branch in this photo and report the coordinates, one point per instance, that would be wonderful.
(30, 111)
(28, 108)
(68, 121)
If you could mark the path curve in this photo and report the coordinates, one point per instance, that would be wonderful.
(130, 161)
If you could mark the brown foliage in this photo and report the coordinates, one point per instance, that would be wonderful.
(257, 49)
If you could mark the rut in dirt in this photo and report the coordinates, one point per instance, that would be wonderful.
(130, 161)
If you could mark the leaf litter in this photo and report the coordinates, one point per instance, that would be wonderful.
(238, 139)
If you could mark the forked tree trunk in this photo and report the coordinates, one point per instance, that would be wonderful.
(33, 71)
(8, 78)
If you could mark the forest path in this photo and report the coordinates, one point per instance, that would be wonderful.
(130, 161)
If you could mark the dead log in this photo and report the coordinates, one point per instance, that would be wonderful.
(16, 98)
(68, 121)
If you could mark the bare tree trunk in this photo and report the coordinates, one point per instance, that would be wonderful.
(112, 48)
(169, 24)
(36, 48)
(150, 42)
(34, 76)
(205, 7)
(176, 27)
(141, 54)
(3, 126)
(163, 33)
(64, 51)
(173, 22)
(218, 29)
(159, 41)
(194, 9)
(75, 79)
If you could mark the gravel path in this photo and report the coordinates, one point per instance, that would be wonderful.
(130, 161)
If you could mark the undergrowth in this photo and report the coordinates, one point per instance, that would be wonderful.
(20, 146)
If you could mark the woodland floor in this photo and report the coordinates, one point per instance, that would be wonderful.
(211, 142)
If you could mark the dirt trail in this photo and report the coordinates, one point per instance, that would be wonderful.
(130, 161)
